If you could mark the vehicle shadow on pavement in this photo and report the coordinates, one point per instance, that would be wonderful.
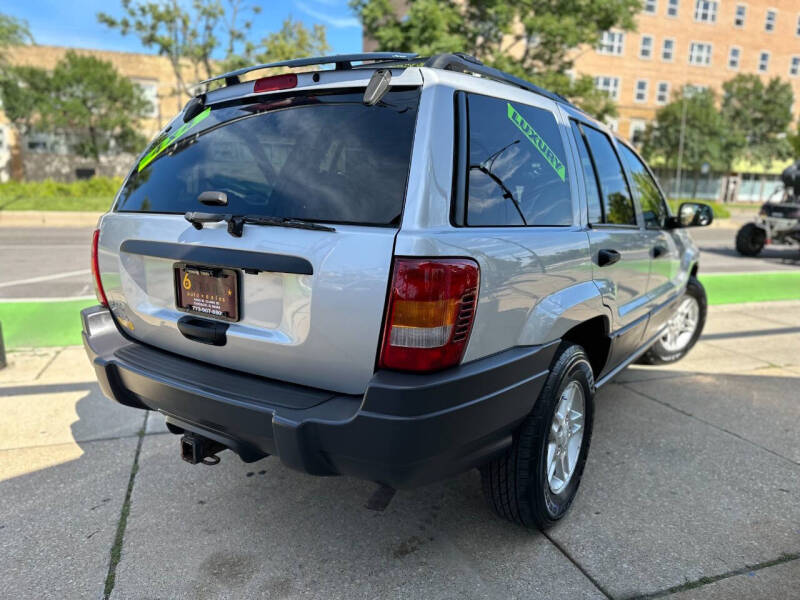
(65, 460)
(688, 477)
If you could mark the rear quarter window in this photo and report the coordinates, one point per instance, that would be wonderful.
(517, 174)
(311, 157)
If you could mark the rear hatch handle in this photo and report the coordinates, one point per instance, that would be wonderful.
(203, 330)
(236, 222)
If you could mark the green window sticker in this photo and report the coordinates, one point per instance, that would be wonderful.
(170, 139)
(535, 139)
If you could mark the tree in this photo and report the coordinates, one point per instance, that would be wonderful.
(533, 39)
(706, 135)
(188, 35)
(794, 140)
(759, 116)
(84, 98)
(13, 32)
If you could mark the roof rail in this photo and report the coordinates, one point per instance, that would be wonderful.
(457, 61)
(465, 63)
(342, 62)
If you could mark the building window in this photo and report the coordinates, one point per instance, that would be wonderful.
(637, 131)
(672, 8)
(741, 13)
(662, 92)
(763, 62)
(794, 69)
(700, 54)
(610, 85)
(646, 49)
(611, 43)
(798, 25)
(150, 93)
(769, 23)
(705, 11)
(651, 6)
(733, 57)
(668, 50)
(641, 91)
(690, 90)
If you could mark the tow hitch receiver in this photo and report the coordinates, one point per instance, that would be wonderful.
(198, 449)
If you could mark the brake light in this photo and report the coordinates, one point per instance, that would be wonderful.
(276, 82)
(430, 314)
(98, 285)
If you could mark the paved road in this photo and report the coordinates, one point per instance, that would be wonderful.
(691, 491)
(718, 254)
(50, 262)
(45, 262)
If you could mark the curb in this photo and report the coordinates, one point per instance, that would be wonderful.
(48, 218)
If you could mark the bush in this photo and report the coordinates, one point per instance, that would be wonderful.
(93, 194)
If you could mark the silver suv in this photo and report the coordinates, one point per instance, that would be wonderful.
(396, 269)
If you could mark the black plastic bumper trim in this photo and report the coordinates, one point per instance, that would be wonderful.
(405, 431)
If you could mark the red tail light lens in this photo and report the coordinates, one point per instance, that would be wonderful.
(98, 285)
(277, 82)
(430, 314)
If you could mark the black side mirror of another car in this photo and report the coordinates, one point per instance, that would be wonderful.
(692, 214)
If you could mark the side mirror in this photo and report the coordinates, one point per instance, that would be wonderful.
(693, 214)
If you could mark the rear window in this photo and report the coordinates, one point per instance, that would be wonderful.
(312, 157)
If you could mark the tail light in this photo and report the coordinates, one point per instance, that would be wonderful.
(98, 285)
(430, 313)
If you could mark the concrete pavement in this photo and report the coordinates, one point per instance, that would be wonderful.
(692, 490)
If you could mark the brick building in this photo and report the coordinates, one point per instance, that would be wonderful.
(39, 156)
(701, 43)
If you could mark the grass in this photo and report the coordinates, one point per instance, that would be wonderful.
(40, 324)
(730, 288)
(94, 194)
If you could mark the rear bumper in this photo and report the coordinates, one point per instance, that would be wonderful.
(406, 430)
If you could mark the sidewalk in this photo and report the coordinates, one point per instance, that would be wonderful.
(692, 491)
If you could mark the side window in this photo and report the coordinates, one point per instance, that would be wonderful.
(617, 202)
(517, 174)
(589, 176)
(654, 208)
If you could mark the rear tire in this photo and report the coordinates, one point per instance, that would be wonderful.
(534, 482)
(750, 240)
(663, 351)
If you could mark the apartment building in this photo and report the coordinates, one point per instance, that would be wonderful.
(41, 156)
(698, 42)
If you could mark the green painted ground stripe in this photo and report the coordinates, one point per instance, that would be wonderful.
(45, 322)
(39, 324)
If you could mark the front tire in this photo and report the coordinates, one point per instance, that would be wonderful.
(750, 240)
(535, 481)
(683, 329)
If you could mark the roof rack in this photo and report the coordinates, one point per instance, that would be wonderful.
(457, 61)
(342, 62)
(465, 63)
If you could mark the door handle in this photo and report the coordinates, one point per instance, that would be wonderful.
(659, 251)
(607, 257)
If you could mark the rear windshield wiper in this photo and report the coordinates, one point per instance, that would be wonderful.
(236, 222)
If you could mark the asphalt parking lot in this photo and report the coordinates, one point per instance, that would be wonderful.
(692, 491)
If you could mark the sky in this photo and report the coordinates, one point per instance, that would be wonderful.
(74, 22)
